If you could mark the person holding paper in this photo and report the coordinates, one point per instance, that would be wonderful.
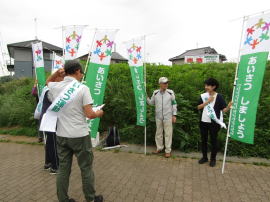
(166, 111)
(212, 105)
(72, 132)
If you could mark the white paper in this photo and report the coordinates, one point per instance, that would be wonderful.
(98, 108)
(48, 125)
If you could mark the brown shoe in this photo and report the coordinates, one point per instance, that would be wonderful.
(168, 155)
(157, 152)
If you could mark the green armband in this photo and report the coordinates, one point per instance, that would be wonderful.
(174, 102)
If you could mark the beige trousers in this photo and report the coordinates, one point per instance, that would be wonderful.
(167, 127)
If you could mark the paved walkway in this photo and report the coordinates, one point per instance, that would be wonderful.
(128, 177)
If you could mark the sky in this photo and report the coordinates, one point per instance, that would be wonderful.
(171, 26)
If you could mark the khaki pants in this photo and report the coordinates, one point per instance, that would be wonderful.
(80, 147)
(167, 127)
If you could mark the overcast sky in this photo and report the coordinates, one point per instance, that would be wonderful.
(174, 25)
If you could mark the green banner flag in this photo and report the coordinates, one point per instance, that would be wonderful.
(139, 91)
(251, 68)
(134, 50)
(97, 71)
(246, 96)
(96, 78)
(41, 79)
(39, 66)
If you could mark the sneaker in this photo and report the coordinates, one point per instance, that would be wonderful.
(98, 198)
(53, 172)
(203, 160)
(212, 163)
(71, 200)
(47, 166)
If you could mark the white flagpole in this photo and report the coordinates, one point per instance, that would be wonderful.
(53, 59)
(234, 84)
(89, 54)
(63, 41)
(145, 91)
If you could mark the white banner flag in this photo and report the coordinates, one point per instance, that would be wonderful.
(58, 62)
(38, 54)
(135, 52)
(3, 65)
(72, 38)
(256, 36)
(102, 50)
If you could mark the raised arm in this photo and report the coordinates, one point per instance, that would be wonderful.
(56, 76)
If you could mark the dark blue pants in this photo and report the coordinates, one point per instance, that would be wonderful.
(211, 129)
(51, 156)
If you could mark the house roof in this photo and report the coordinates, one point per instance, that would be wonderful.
(198, 51)
(115, 56)
(28, 44)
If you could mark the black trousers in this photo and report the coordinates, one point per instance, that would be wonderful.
(51, 156)
(211, 129)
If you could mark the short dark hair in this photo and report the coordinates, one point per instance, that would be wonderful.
(71, 66)
(212, 82)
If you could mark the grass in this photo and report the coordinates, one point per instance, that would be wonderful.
(19, 131)
(21, 142)
(261, 164)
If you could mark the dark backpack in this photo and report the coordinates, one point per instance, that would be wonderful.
(113, 138)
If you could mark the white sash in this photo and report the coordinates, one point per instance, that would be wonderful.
(49, 120)
(38, 109)
(209, 108)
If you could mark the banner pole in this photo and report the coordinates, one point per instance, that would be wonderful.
(89, 55)
(53, 59)
(234, 84)
(63, 41)
(145, 93)
(34, 68)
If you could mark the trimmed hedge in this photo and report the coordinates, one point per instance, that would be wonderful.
(17, 105)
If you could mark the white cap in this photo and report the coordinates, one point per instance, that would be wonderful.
(163, 80)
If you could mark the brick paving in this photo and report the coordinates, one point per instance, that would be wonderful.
(128, 177)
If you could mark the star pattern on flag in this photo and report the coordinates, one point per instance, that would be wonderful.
(135, 54)
(58, 62)
(257, 34)
(38, 54)
(103, 48)
(72, 52)
(73, 37)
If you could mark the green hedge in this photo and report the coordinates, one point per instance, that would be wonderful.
(187, 83)
(17, 105)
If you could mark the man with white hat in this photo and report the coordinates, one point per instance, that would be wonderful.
(166, 111)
